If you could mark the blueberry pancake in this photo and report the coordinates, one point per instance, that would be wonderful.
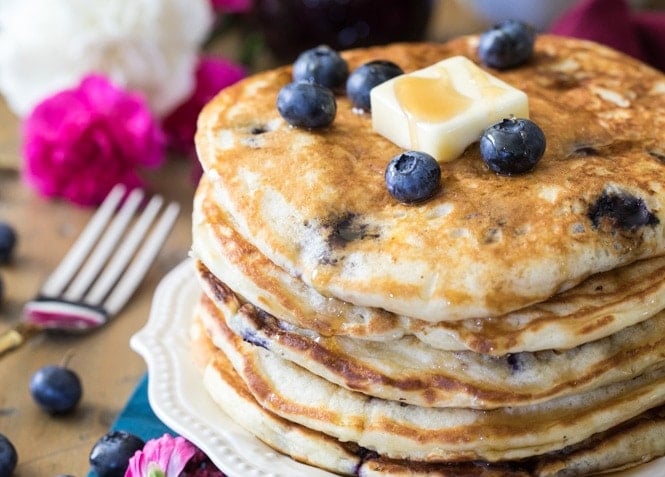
(314, 201)
(601, 305)
(617, 448)
(409, 371)
(389, 288)
(403, 431)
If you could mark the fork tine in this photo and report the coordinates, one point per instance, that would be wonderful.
(123, 255)
(62, 275)
(104, 248)
(146, 255)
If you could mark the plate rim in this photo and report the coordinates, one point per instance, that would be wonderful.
(163, 344)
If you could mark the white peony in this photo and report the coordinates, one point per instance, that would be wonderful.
(149, 46)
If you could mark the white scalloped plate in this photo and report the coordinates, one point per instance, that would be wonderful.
(176, 392)
(178, 398)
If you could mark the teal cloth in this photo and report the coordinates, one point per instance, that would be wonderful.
(138, 417)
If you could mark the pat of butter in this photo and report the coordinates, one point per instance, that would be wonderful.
(443, 108)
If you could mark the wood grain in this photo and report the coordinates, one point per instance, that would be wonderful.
(108, 368)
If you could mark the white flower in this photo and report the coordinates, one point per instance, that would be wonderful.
(149, 46)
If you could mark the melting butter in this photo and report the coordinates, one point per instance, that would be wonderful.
(443, 108)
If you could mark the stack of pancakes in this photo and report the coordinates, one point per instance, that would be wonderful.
(508, 326)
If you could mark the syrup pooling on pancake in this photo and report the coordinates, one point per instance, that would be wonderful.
(505, 242)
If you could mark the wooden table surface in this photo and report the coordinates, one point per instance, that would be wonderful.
(48, 446)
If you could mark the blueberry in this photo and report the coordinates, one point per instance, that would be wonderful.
(513, 146)
(620, 209)
(506, 44)
(307, 105)
(56, 389)
(321, 65)
(412, 176)
(7, 242)
(8, 457)
(109, 456)
(366, 77)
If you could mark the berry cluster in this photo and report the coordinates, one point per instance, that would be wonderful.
(309, 101)
(512, 146)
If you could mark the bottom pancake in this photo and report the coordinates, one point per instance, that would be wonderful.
(624, 446)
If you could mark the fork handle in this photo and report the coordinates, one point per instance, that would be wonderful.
(63, 315)
(16, 336)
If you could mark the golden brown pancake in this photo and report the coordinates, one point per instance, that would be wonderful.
(409, 371)
(507, 326)
(624, 446)
(601, 305)
(402, 431)
(314, 201)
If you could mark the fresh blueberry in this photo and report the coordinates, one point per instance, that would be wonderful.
(412, 176)
(321, 65)
(56, 389)
(513, 146)
(506, 44)
(109, 456)
(8, 457)
(307, 105)
(366, 77)
(7, 242)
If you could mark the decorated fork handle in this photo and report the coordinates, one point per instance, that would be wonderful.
(63, 315)
(52, 314)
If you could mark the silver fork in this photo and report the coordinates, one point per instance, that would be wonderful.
(101, 270)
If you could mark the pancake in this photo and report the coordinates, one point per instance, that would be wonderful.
(315, 203)
(628, 445)
(306, 445)
(402, 431)
(409, 371)
(601, 305)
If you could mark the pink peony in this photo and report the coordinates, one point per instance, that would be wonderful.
(232, 6)
(212, 75)
(80, 142)
(171, 456)
(163, 457)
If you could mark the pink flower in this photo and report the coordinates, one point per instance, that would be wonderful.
(163, 457)
(232, 6)
(80, 142)
(212, 75)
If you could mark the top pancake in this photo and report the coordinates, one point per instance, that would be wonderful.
(315, 203)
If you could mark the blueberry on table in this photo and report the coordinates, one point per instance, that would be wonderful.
(8, 457)
(412, 176)
(506, 44)
(321, 65)
(56, 389)
(7, 242)
(367, 76)
(109, 456)
(307, 105)
(513, 146)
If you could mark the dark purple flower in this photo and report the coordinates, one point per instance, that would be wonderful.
(231, 6)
